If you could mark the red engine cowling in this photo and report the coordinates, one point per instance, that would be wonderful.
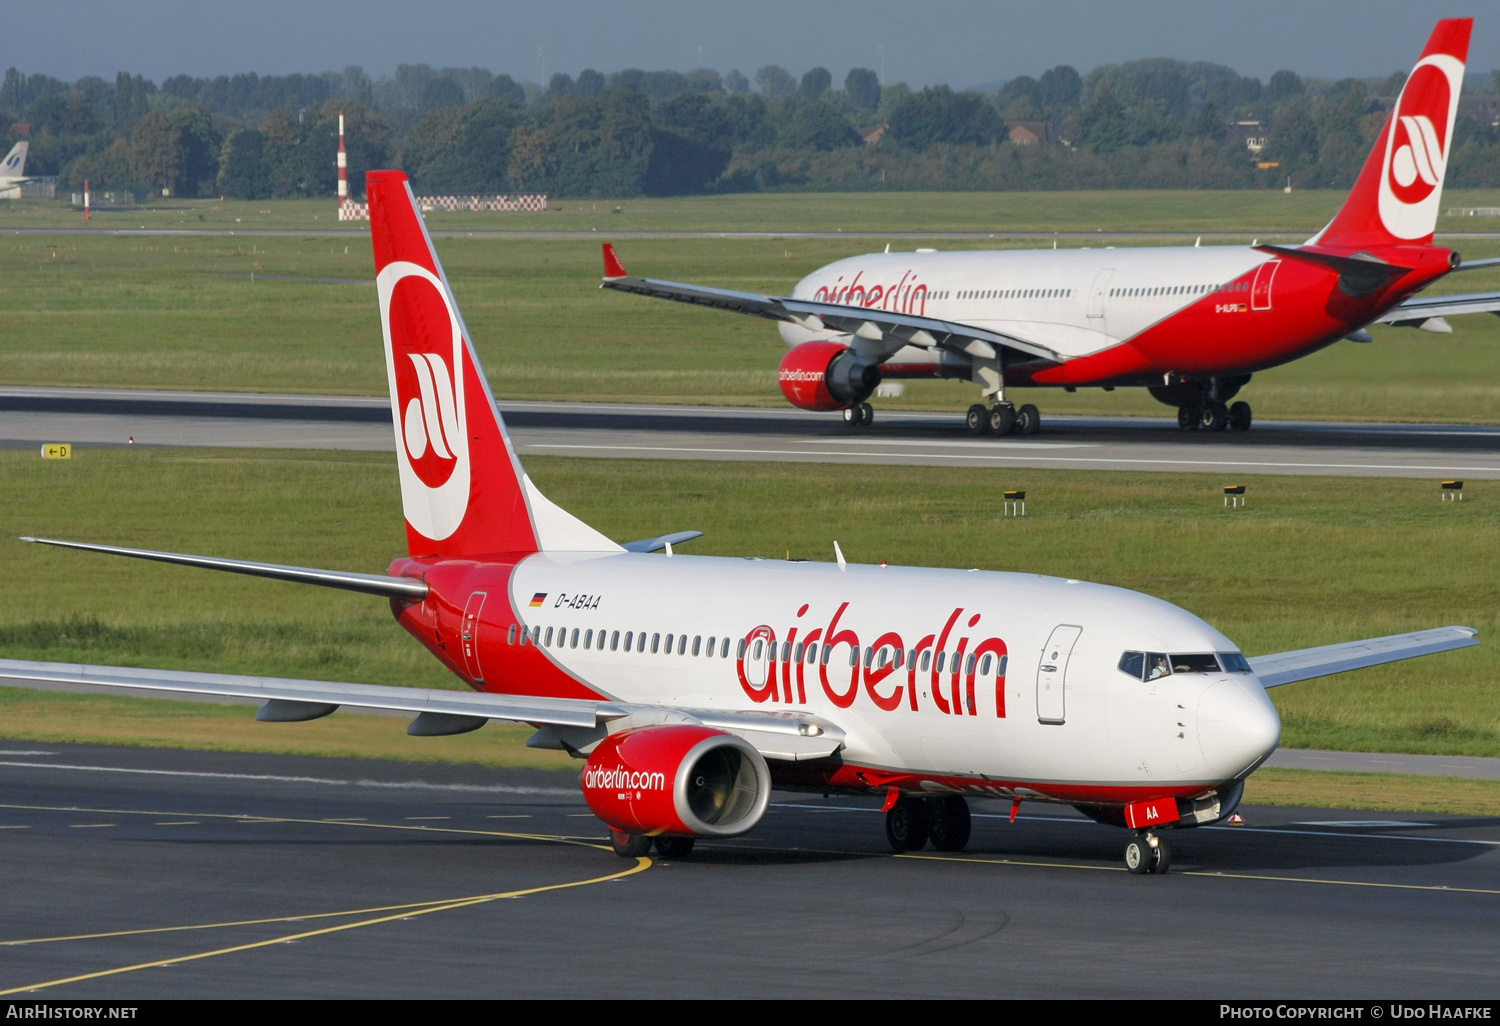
(677, 779)
(826, 376)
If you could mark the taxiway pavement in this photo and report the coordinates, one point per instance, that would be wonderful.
(115, 417)
(140, 873)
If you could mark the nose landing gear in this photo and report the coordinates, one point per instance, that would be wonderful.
(1147, 853)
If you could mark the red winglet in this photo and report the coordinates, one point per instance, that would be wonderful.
(612, 266)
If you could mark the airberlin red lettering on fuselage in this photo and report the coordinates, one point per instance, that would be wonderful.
(942, 668)
(905, 296)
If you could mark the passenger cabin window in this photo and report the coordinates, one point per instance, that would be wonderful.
(549, 637)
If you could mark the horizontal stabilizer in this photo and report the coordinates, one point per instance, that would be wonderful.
(1478, 265)
(1307, 663)
(661, 541)
(370, 584)
(1419, 308)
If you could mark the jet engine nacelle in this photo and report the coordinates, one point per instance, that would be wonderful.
(826, 376)
(677, 779)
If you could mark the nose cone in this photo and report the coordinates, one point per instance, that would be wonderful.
(1237, 726)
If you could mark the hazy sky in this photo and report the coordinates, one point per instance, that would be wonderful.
(961, 42)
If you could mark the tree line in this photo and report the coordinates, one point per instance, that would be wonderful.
(1142, 124)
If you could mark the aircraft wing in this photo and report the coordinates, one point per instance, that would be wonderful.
(1422, 308)
(790, 736)
(1307, 663)
(877, 326)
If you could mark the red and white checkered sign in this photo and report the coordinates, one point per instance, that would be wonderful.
(352, 211)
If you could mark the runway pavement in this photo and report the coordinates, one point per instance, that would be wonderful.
(112, 417)
(140, 873)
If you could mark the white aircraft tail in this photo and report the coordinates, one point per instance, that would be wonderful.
(14, 165)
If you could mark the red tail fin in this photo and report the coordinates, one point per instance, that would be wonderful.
(462, 486)
(1396, 197)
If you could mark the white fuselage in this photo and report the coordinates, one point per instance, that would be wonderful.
(1073, 301)
(1083, 722)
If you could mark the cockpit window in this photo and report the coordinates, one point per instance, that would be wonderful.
(1149, 666)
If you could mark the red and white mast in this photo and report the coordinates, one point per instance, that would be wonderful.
(343, 166)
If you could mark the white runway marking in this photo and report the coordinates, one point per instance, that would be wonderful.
(969, 444)
(410, 785)
(1444, 469)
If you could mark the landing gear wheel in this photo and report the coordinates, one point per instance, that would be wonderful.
(1028, 420)
(950, 825)
(1163, 856)
(1239, 416)
(1147, 853)
(907, 825)
(977, 420)
(1215, 417)
(1188, 417)
(629, 846)
(1002, 419)
(851, 416)
(866, 414)
(674, 847)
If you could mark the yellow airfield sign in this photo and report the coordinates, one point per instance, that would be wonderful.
(57, 451)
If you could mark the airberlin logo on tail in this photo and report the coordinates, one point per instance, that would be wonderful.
(424, 349)
(430, 423)
(1416, 153)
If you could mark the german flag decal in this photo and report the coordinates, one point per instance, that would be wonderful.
(538, 599)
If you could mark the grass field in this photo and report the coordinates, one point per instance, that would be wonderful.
(1139, 210)
(166, 312)
(1309, 562)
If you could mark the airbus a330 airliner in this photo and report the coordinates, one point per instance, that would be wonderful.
(691, 686)
(1191, 324)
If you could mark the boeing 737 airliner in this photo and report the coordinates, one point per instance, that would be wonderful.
(690, 686)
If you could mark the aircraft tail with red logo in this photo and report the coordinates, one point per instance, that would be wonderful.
(463, 489)
(1396, 196)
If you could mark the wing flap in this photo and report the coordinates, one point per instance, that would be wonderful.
(519, 708)
(1307, 663)
(793, 737)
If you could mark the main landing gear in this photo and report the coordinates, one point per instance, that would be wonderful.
(943, 820)
(1003, 419)
(859, 415)
(1147, 853)
(1214, 416)
(631, 846)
